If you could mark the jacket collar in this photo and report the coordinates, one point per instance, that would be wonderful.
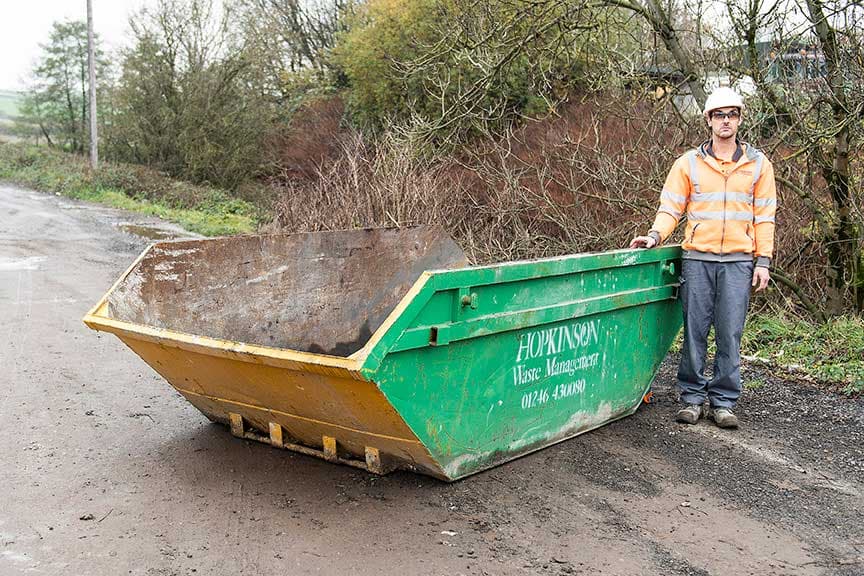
(707, 149)
(743, 153)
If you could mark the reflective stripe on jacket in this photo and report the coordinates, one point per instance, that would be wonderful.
(730, 206)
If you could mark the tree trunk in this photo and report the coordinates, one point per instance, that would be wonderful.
(661, 23)
(844, 250)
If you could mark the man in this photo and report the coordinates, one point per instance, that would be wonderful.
(726, 189)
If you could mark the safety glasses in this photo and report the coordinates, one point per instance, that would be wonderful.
(732, 115)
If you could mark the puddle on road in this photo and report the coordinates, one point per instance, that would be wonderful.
(30, 263)
(146, 231)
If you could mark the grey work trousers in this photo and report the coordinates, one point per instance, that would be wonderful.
(715, 293)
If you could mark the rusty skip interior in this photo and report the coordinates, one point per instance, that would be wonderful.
(323, 293)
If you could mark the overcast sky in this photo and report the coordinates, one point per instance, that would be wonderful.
(26, 23)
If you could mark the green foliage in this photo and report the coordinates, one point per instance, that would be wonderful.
(459, 65)
(754, 383)
(301, 87)
(57, 102)
(204, 210)
(184, 102)
(832, 352)
(381, 35)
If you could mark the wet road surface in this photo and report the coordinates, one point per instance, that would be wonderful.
(108, 471)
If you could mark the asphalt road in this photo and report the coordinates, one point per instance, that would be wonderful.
(107, 471)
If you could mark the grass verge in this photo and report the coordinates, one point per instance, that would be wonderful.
(830, 355)
(200, 209)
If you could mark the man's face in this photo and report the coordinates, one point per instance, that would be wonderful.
(724, 122)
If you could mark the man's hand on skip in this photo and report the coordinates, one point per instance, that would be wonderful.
(760, 278)
(642, 242)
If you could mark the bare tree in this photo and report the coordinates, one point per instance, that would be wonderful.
(805, 61)
(292, 38)
(493, 60)
(662, 23)
(845, 254)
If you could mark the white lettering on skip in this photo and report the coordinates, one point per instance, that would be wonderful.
(559, 339)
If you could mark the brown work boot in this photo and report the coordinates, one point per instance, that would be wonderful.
(724, 418)
(690, 414)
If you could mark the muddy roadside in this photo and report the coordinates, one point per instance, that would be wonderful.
(111, 472)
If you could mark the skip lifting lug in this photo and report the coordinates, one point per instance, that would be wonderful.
(669, 268)
(467, 298)
(670, 273)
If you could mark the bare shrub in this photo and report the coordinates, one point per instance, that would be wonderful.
(310, 140)
(584, 180)
(593, 172)
(367, 185)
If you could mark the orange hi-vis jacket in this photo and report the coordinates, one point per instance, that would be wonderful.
(730, 206)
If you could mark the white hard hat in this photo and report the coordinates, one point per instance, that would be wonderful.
(723, 97)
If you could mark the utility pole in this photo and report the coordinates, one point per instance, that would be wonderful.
(91, 50)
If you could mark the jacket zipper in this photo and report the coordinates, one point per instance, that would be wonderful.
(725, 193)
(723, 229)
